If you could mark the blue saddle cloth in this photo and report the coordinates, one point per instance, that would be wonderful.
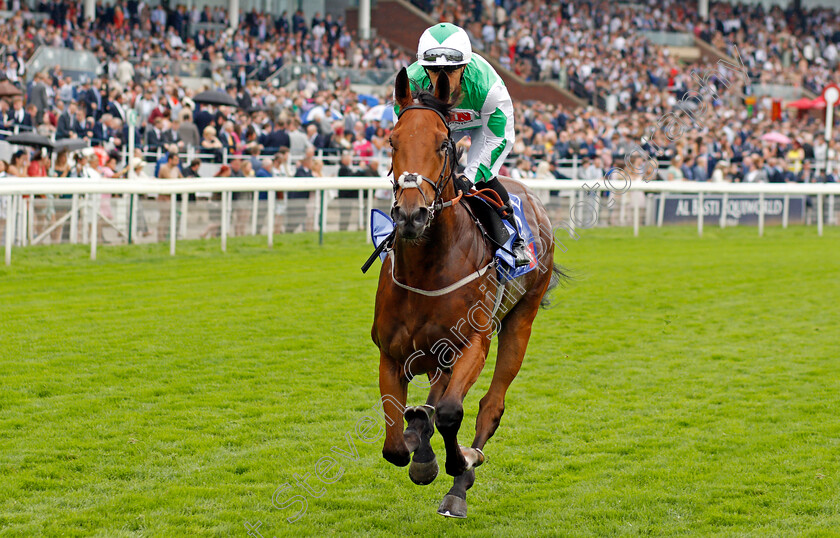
(381, 227)
(506, 268)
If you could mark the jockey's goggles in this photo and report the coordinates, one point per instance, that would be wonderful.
(442, 56)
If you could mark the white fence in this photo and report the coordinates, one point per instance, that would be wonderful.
(18, 194)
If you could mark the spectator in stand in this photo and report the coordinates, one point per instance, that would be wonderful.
(39, 164)
(66, 122)
(298, 142)
(154, 136)
(171, 168)
(674, 171)
(18, 165)
(719, 174)
(699, 171)
(298, 202)
(280, 166)
(346, 169)
(187, 131)
(278, 138)
(230, 139)
(192, 169)
(319, 140)
(211, 145)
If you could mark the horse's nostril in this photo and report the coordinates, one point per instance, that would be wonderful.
(419, 216)
(399, 215)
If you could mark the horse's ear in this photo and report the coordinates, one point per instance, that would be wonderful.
(402, 91)
(442, 88)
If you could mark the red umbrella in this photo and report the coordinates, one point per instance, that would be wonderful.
(802, 104)
(819, 102)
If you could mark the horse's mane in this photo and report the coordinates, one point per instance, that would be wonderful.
(428, 99)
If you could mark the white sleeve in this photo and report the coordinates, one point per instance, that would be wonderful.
(496, 136)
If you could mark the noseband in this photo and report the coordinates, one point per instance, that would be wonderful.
(410, 180)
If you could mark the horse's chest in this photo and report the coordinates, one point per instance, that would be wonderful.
(403, 340)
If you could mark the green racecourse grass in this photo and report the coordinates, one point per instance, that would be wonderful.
(682, 386)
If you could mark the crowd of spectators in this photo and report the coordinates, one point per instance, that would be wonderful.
(327, 116)
(729, 148)
(330, 119)
(596, 48)
(135, 41)
(132, 38)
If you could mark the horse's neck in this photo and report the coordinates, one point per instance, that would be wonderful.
(449, 240)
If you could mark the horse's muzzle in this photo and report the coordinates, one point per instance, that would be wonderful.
(410, 224)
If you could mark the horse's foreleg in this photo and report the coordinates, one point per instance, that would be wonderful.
(393, 386)
(419, 431)
(450, 408)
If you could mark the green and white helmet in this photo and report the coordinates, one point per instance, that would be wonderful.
(444, 44)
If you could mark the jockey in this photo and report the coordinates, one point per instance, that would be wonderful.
(485, 110)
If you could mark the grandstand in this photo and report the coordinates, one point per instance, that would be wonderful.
(588, 79)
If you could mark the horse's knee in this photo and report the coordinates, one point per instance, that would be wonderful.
(448, 417)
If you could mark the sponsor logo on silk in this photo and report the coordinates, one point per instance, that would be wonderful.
(462, 116)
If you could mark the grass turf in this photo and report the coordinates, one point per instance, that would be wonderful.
(682, 386)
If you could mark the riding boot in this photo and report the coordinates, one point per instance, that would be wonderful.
(521, 254)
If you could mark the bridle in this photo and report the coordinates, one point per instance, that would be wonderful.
(411, 180)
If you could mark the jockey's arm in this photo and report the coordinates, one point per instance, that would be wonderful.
(495, 136)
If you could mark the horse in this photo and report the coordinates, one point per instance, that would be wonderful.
(433, 303)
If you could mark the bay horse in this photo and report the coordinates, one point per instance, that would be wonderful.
(436, 300)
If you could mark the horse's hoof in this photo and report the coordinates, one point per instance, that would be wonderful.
(474, 457)
(453, 506)
(423, 473)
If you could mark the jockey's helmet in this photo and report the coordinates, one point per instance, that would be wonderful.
(444, 44)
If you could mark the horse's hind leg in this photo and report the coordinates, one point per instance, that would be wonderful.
(513, 341)
(419, 430)
(454, 504)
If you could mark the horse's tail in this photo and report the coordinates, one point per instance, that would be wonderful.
(559, 275)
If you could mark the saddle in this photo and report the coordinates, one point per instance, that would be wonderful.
(484, 213)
